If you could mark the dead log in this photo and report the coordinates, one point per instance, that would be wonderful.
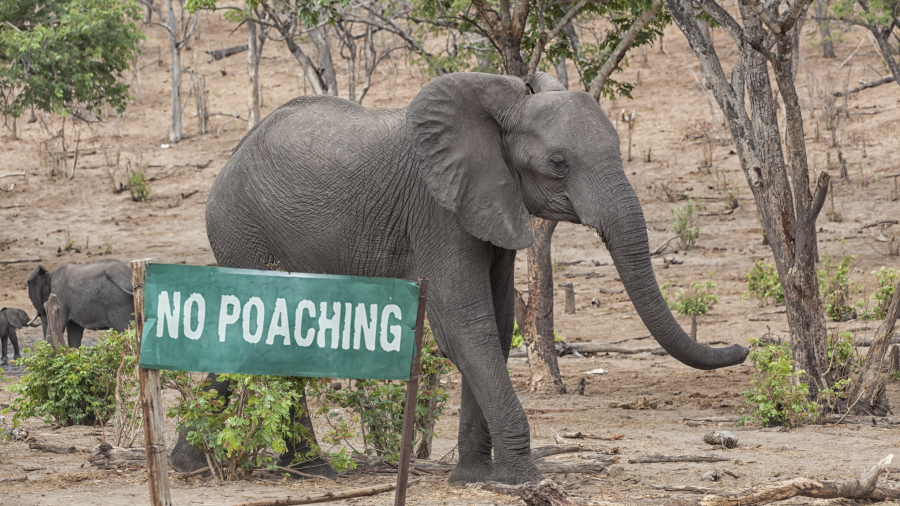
(107, 456)
(581, 435)
(723, 438)
(20, 261)
(61, 450)
(558, 467)
(605, 348)
(546, 451)
(10, 479)
(653, 459)
(871, 84)
(218, 54)
(326, 497)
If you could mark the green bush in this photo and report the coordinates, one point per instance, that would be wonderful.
(74, 385)
(236, 434)
(698, 298)
(776, 395)
(376, 407)
(763, 284)
(887, 279)
(685, 226)
(138, 186)
(835, 289)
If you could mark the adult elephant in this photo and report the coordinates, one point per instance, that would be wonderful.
(10, 320)
(94, 296)
(445, 189)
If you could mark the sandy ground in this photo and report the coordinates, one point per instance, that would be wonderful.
(41, 216)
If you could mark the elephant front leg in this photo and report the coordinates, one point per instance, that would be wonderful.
(4, 360)
(475, 461)
(74, 333)
(14, 339)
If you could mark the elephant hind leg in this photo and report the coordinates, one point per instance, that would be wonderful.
(475, 461)
(313, 465)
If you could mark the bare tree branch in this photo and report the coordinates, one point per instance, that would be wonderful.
(547, 38)
(619, 52)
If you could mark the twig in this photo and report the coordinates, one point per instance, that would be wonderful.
(864, 86)
(662, 247)
(651, 459)
(305, 475)
(13, 478)
(851, 55)
(326, 497)
(11, 174)
(192, 473)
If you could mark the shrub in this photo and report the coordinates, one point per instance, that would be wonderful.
(377, 407)
(699, 298)
(236, 433)
(763, 284)
(685, 226)
(835, 289)
(75, 385)
(887, 278)
(518, 339)
(776, 395)
(138, 186)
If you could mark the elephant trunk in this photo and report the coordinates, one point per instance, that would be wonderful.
(620, 221)
(32, 322)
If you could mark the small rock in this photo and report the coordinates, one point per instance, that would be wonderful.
(724, 438)
(595, 302)
(713, 475)
(615, 471)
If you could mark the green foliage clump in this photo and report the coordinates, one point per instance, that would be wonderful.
(66, 54)
(518, 339)
(763, 284)
(235, 433)
(685, 226)
(377, 407)
(887, 278)
(698, 298)
(776, 395)
(835, 289)
(138, 186)
(75, 385)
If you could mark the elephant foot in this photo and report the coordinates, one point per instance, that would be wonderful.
(4, 361)
(515, 475)
(472, 470)
(184, 458)
(317, 466)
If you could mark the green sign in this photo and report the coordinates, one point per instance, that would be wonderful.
(214, 319)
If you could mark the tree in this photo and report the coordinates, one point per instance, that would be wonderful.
(67, 56)
(787, 206)
(180, 29)
(821, 7)
(880, 17)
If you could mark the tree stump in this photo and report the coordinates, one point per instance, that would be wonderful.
(570, 297)
(54, 324)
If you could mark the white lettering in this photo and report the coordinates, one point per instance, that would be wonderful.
(298, 325)
(165, 311)
(279, 325)
(226, 318)
(361, 328)
(254, 302)
(333, 324)
(345, 337)
(390, 310)
(195, 298)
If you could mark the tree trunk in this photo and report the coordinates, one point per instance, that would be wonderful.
(175, 50)
(562, 75)
(821, 7)
(253, 54)
(866, 395)
(537, 318)
(882, 38)
(319, 37)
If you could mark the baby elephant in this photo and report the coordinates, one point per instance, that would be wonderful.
(10, 320)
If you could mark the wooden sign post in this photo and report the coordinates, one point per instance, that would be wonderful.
(242, 321)
(151, 402)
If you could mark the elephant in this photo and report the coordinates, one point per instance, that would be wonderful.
(10, 320)
(94, 296)
(445, 188)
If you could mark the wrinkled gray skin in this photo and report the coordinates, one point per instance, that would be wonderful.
(93, 296)
(10, 320)
(445, 189)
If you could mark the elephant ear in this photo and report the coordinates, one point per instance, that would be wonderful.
(120, 275)
(16, 317)
(456, 126)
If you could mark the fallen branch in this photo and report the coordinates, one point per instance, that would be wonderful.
(662, 247)
(11, 174)
(192, 473)
(557, 467)
(871, 84)
(61, 450)
(546, 451)
(604, 348)
(11, 479)
(302, 474)
(537, 411)
(218, 54)
(545, 493)
(581, 435)
(106, 456)
(20, 261)
(880, 222)
(326, 497)
(653, 459)
(638, 338)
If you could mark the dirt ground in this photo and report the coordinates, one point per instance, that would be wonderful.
(41, 216)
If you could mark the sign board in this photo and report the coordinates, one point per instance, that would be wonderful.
(267, 322)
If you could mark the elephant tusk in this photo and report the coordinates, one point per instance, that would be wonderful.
(33, 319)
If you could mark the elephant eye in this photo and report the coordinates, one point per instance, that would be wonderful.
(559, 164)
